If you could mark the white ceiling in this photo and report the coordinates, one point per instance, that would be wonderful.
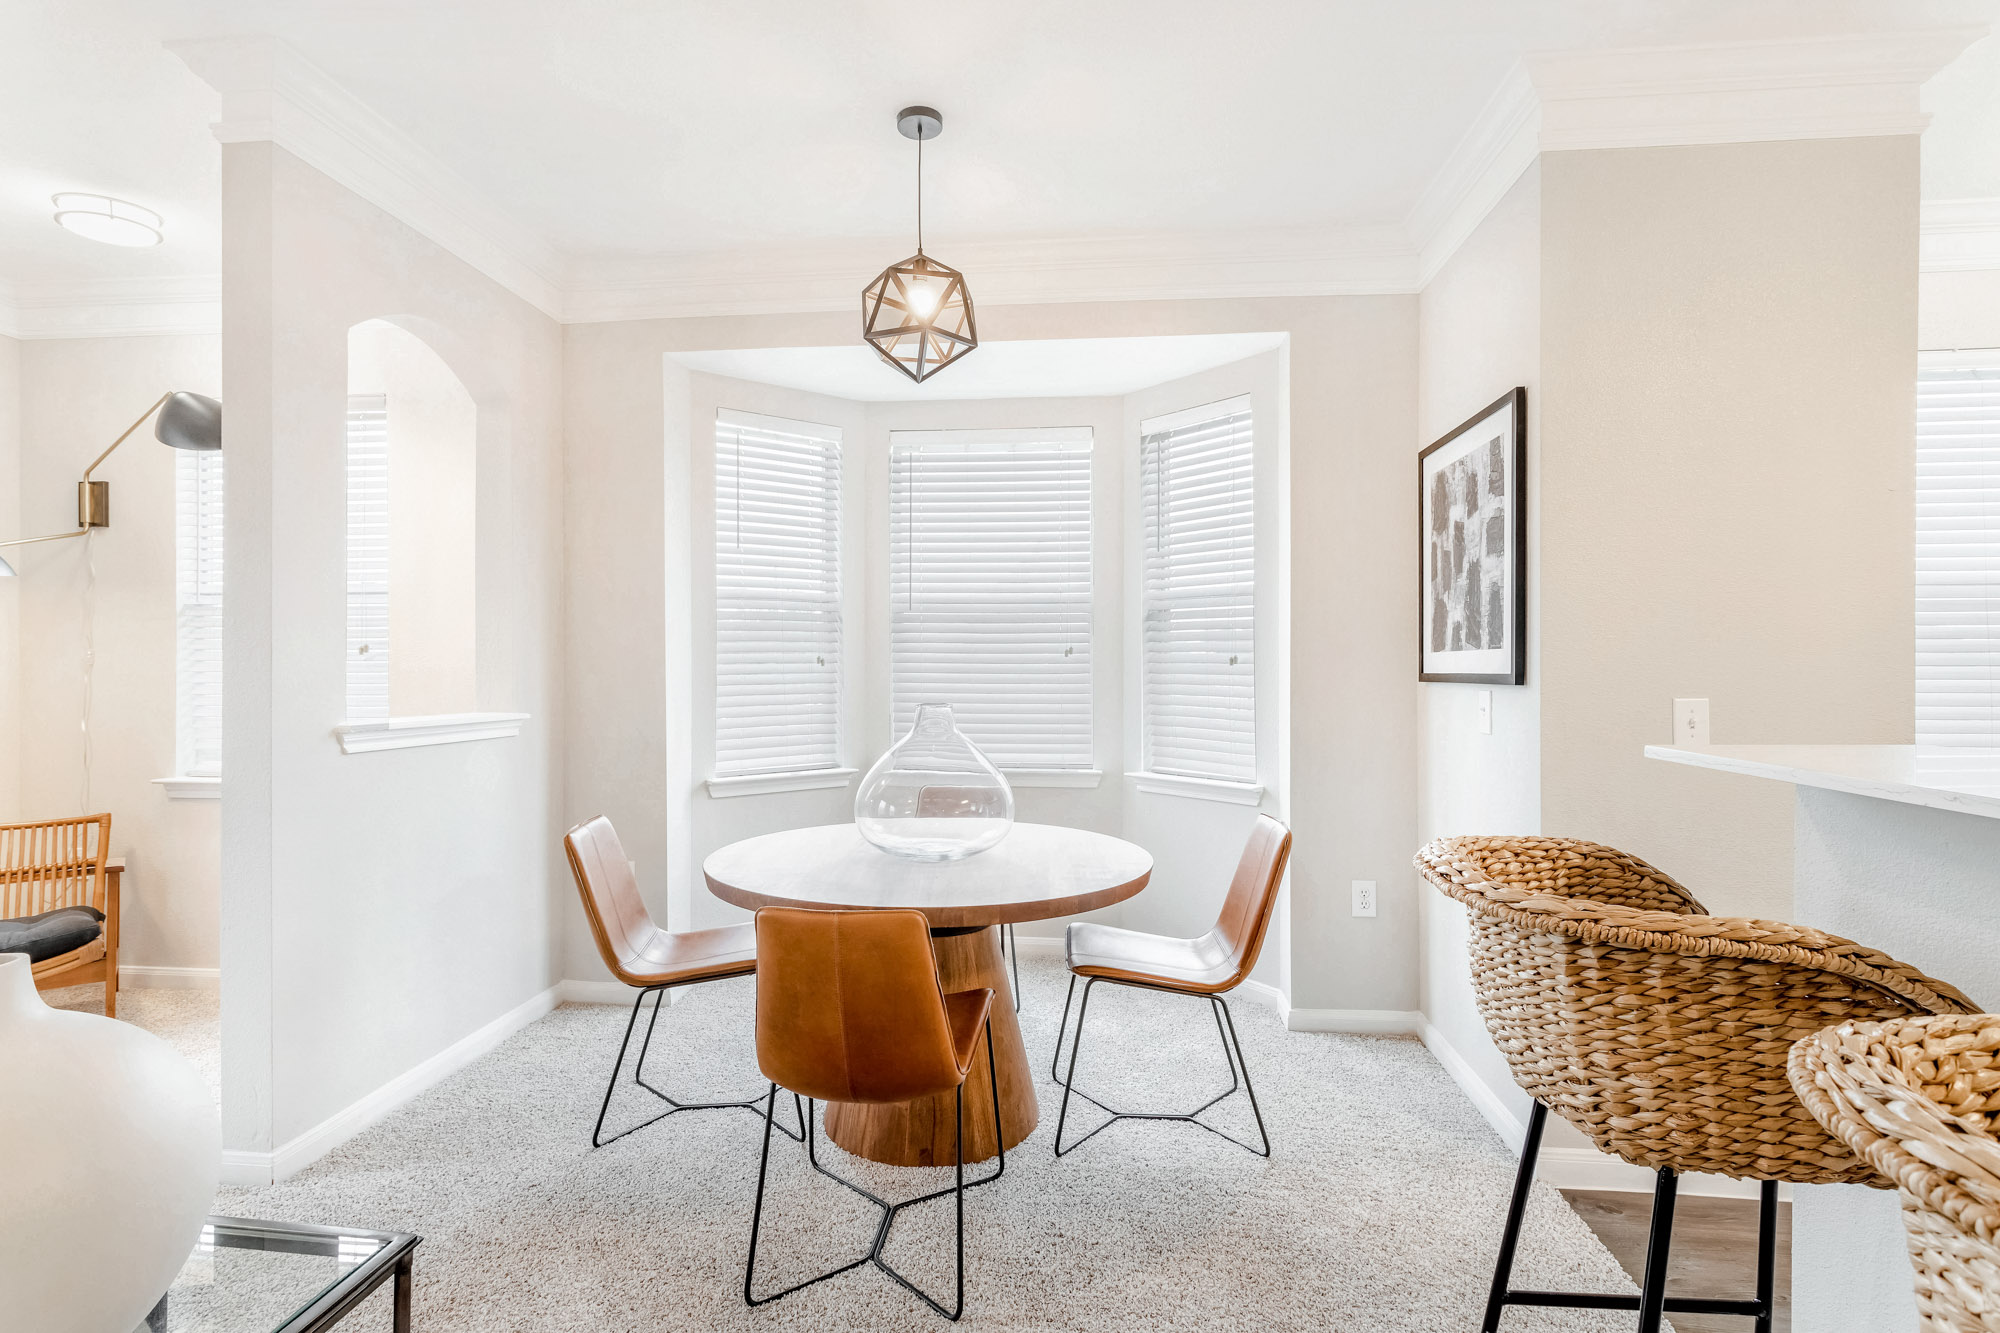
(1053, 368)
(621, 128)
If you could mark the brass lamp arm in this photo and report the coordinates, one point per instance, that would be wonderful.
(52, 537)
(128, 432)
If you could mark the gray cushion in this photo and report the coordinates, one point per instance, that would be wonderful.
(51, 933)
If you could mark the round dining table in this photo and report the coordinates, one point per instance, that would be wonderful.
(1036, 872)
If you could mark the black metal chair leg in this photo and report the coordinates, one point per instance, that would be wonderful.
(597, 1138)
(1653, 1293)
(1767, 1253)
(1076, 1044)
(1222, 1005)
(890, 1211)
(1517, 1209)
(1062, 1027)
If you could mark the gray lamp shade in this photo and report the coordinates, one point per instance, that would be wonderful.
(189, 421)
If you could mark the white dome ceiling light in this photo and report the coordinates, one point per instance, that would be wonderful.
(102, 218)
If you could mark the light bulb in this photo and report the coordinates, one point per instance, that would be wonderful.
(921, 298)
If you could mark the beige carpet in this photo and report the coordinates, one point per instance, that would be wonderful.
(1380, 1210)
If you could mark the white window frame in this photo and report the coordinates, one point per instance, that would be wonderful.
(198, 546)
(740, 774)
(1064, 754)
(1237, 780)
(1958, 548)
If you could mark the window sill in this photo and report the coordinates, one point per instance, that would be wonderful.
(404, 733)
(1052, 777)
(761, 784)
(183, 788)
(1200, 789)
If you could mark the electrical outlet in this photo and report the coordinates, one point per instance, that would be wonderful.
(1364, 897)
(1486, 712)
(1691, 722)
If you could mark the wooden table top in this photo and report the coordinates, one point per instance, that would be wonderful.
(1037, 871)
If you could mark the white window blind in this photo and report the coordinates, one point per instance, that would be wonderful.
(990, 587)
(198, 613)
(367, 557)
(1958, 551)
(1198, 688)
(777, 595)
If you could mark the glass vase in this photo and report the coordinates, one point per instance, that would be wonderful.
(934, 796)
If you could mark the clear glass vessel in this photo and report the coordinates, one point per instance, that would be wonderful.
(934, 796)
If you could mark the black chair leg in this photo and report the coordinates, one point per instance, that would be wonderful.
(597, 1138)
(1232, 1054)
(890, 1211)
(1517, 1209)
(1767, 1253)
(1653, 1294)
(1061, 1028)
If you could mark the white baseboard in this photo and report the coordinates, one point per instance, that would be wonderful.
(1040, 946)
(1364, 1022)
(133, 976)
(593, 992)
(264, 1168)
(1574, 1168)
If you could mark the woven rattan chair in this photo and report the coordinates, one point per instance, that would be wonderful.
(1919, 1100)
(1659, 1031)
(57, 884)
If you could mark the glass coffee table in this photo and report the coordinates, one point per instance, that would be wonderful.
(246, 1276)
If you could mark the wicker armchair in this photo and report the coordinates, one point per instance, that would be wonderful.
(57, 868)
(1919, 1100)
(1659, 1031)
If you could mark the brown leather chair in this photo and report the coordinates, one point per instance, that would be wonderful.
(849, 1009)
(1207, 967)
(643, 956)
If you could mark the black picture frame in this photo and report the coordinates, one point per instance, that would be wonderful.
(1508, 416)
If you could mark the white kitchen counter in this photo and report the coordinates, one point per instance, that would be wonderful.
(1944, 777)
(1895, 846)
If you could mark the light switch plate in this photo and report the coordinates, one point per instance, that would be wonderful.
(1691, 722)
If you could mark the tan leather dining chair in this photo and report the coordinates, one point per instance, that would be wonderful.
(849, 1009)
(650, 960)
(1209, 967)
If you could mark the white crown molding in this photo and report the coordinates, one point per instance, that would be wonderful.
(1737, 92)
(270, 92)
(115, 308)
(1960, 234)
(1848, 86)
(1326, 261)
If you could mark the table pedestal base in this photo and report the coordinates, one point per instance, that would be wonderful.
(922, 1132)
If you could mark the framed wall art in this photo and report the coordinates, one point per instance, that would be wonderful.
(1471, 523)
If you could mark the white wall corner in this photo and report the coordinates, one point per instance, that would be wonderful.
(270, 92)
(1960, 234)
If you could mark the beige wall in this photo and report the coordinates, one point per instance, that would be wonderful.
(10, 589)
(77, 395)
(1352, 393)
(377, 907)
(1728, 352)
(1481, 336)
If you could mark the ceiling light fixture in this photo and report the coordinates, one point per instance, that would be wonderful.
(102, 218)
(917, 314)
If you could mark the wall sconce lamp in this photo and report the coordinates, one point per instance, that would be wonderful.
(186, 421)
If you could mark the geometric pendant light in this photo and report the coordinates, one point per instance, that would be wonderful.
(918, 313)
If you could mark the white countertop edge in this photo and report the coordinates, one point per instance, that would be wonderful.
(1964, 780)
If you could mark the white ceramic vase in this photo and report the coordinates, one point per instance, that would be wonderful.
(109, 1149)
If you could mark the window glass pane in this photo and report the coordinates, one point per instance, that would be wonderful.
(990, 589)
(777, 595)
(1197, 517)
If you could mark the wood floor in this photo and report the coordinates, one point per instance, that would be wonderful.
(1715, 1250)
